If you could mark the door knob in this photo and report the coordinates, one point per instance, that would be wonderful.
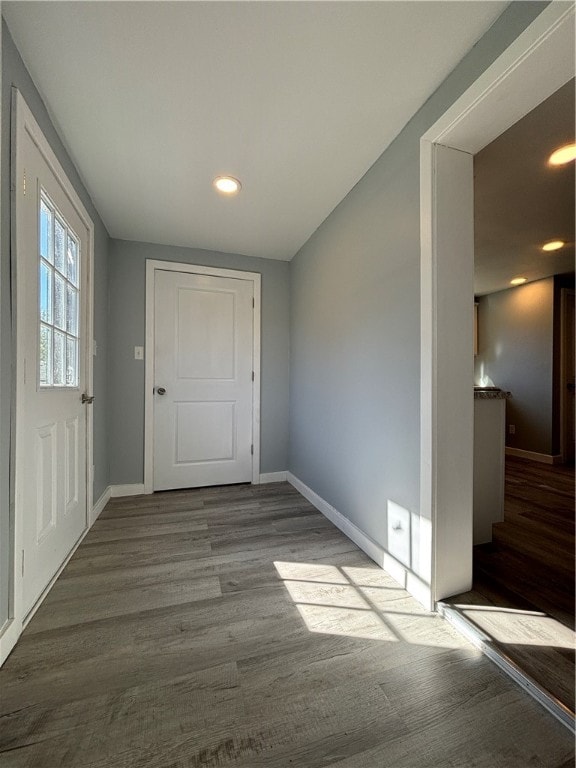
(160, 390)
(87, 398)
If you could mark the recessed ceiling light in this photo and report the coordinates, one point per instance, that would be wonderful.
(228, 185)
(553, 245)
(518, 280)
(563, 155)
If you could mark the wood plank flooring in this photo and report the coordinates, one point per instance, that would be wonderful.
(237, 627)
(532, 553)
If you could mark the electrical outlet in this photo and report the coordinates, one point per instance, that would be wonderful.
(511, 429)
(138, 353)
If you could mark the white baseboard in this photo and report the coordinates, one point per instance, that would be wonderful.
(273, 477)
(99, 506)
(9, 635)
(366, 544)
(405, 577)
(543, 458)
(130, 489)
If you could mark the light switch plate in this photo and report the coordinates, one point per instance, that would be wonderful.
(138, 353)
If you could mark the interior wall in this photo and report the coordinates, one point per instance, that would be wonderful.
(516, 353)
(355, 328)
(127, 318)
(14, 73)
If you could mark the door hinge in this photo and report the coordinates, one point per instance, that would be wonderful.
(253, 303)
(252, 375)
(22, 562)
(252, 449)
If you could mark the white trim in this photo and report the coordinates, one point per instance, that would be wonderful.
(405, 578)
(99, 506)
(273, 477)
(565, 374)
(348, 528)
(534, 66)
(171, 266)
(130, 489)
(543, 458)
(23, 121)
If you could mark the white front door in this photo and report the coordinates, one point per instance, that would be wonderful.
(51, 420)
(203, 380)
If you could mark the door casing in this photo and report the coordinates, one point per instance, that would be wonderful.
(151, 266)
(533, 67)
(24, 121)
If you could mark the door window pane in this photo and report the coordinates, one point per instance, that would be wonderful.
(59, 358)
(71, 356)
(59, 247)
(72, 260)
(58, 299)
(59, 302)
(46, 221)
(71, 310)
(45, 355)
(45, 292)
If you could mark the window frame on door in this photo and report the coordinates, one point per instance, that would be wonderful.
(153, 265)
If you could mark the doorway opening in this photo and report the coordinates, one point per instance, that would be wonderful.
(535, 66)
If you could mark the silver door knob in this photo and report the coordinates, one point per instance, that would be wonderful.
(160, 391)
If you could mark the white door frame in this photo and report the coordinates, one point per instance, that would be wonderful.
(565, 395)
(152, 265)
(535, 65)
(24, 122)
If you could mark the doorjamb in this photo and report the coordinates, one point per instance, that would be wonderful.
(535, 65)
(152, 265)
(23, 121)
(564, 396)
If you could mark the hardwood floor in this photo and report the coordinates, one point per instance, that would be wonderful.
(528, 570)
(532, 553)
(238, 627)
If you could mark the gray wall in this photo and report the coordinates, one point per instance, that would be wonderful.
(515, 352)
(355, 324)
(127, 273)
(15, 73)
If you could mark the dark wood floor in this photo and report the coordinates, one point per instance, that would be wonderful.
(532, 553)
(529, 569)
(238, 627)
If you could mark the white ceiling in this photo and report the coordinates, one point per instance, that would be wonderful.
(296, 99)
(521, 202)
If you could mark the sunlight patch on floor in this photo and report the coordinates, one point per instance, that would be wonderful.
(345, 621)
(362, 602)
(518, 627)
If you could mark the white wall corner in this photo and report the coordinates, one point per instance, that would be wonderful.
(273, 477)
(131, 489)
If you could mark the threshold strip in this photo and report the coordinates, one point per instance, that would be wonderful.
(496, 654)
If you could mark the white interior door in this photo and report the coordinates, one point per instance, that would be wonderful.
(203, 374)
(51, 420)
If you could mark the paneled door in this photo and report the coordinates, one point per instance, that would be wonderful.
(51, 417)
(203, 380)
